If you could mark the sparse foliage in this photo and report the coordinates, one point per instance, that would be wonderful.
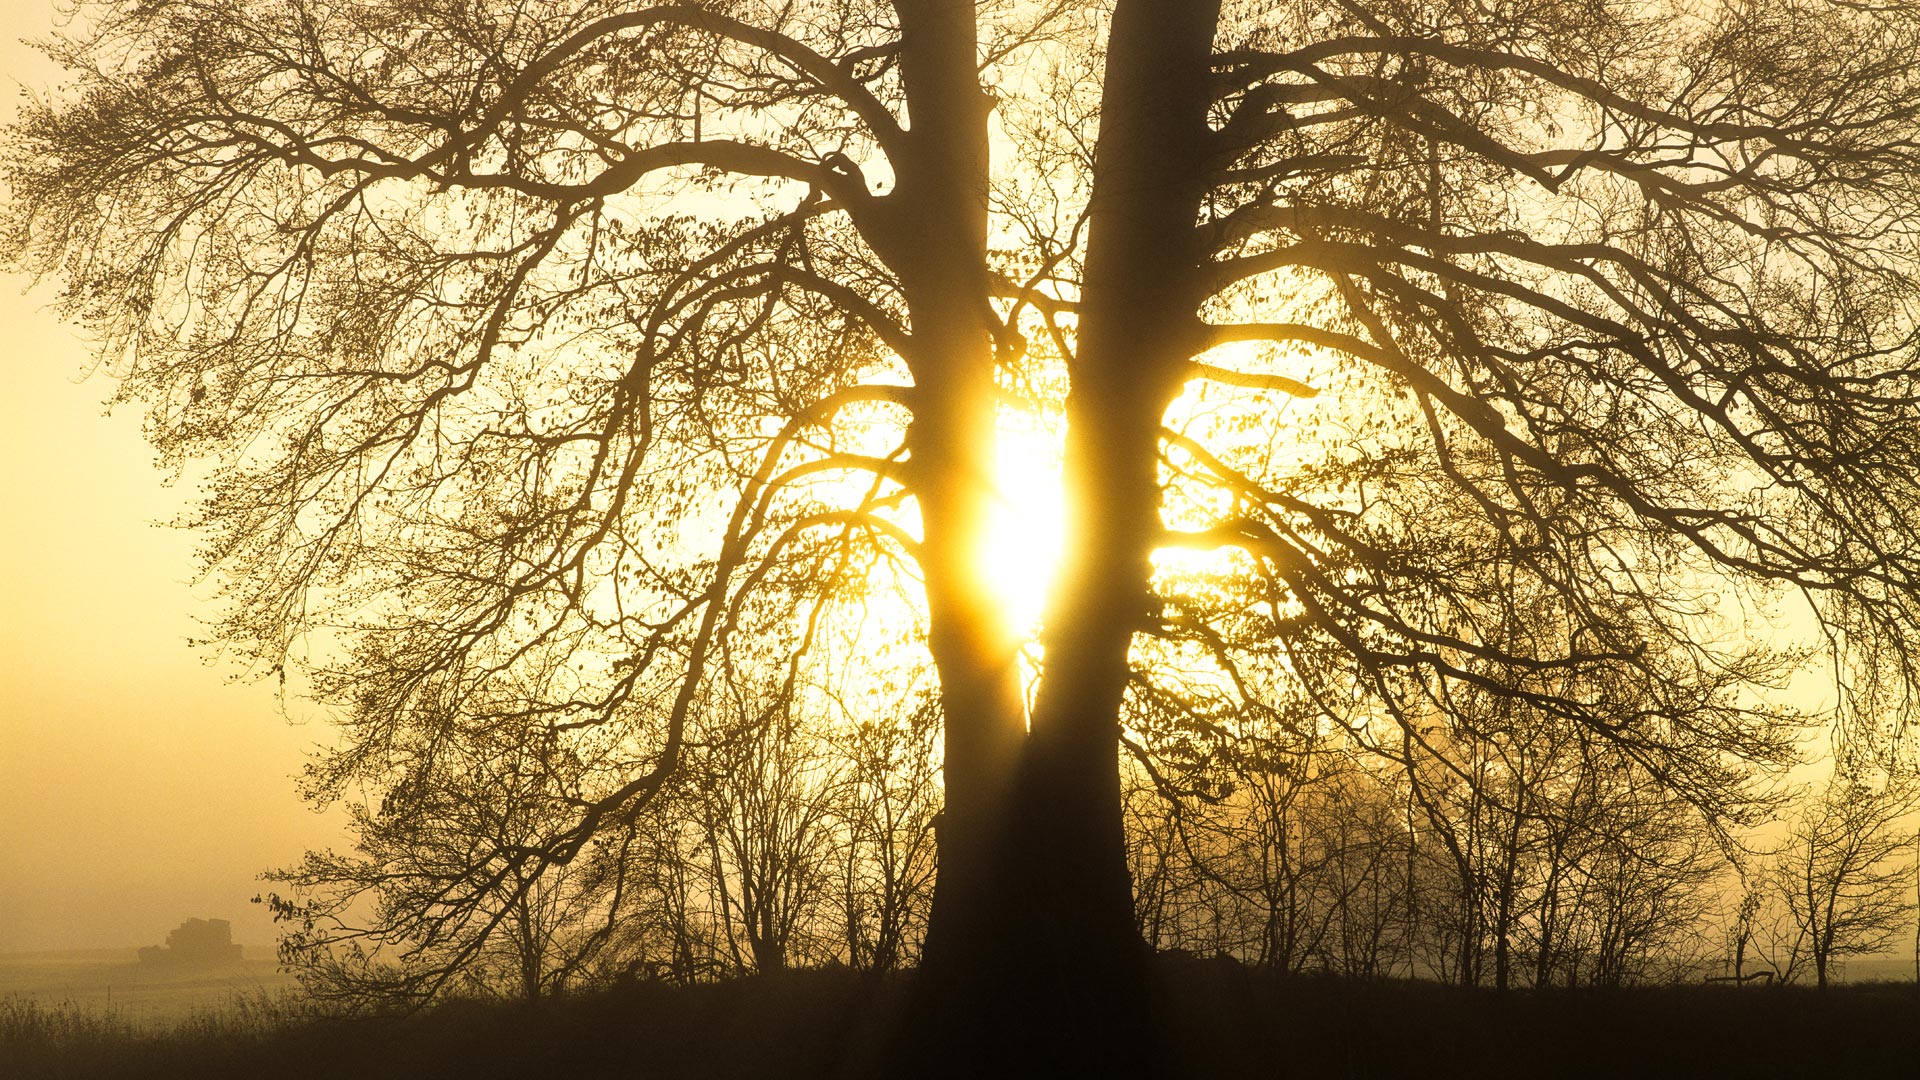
(1842, 873)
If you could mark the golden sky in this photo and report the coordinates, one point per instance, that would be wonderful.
(138, 785)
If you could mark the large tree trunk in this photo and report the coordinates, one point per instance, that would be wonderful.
(1135, 338)
(1033, 959)
(940, 253)
(1058, 981)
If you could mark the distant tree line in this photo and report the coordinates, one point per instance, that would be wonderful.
(1541, 866)
(1478, 851)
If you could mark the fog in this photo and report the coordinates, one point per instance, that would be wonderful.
(139, 785)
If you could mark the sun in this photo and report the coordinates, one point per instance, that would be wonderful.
(1022, 544)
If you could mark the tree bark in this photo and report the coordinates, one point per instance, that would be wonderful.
(1065, 966)
(1033, 959)
(940, 254)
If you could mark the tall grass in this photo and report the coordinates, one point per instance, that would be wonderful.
(1216, 1019)
(65, 1038)
(30, 1030)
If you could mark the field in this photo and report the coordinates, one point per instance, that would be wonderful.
(145, 996)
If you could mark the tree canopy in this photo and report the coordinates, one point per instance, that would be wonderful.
(590, 383)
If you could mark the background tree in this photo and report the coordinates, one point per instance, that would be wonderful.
(891, 805)
(370, 930)
(1841, 872)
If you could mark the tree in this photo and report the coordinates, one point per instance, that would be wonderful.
(1840, 872)
(551, 354)
(364, 932)
(888, 857)
(1641, 895)
(411, 205)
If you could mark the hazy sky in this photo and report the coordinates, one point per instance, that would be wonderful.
(138, 785)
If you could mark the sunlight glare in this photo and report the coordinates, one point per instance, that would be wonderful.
(1024, 533)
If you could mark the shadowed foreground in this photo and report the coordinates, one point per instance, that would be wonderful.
(1217, 1020)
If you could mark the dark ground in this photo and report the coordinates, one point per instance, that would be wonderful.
(1216, 1020)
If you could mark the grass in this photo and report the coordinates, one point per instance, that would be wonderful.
(69, 1038)
(1218, 1020)
(1237, 1023)
(113, 981)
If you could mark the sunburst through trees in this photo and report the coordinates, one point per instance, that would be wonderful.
(611, 399)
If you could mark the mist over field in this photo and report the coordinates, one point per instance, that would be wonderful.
(141, 784)
(114, 982)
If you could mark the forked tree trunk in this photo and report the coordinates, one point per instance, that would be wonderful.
(1058, 980)
(1033, 960)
